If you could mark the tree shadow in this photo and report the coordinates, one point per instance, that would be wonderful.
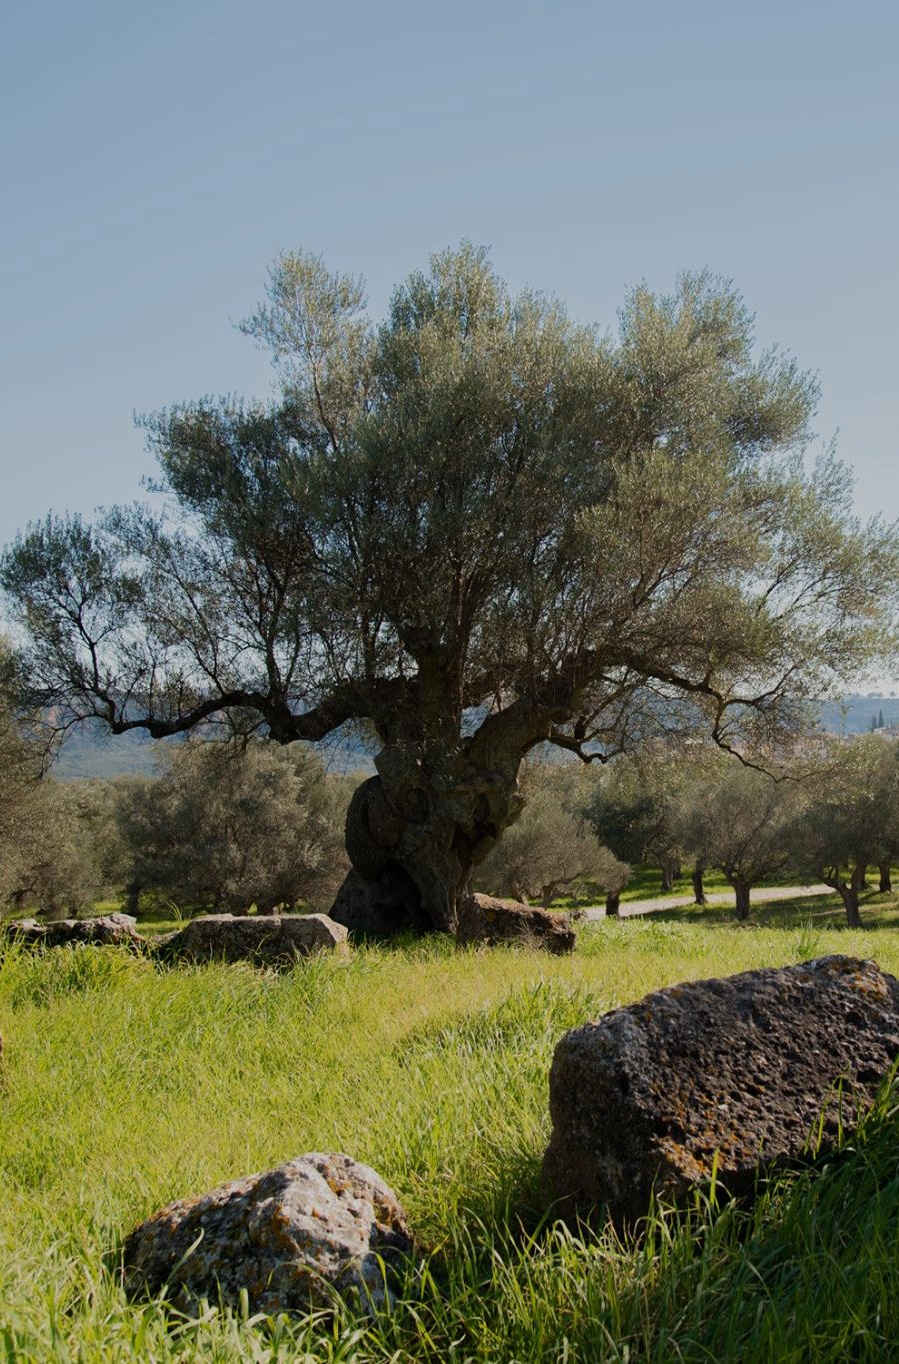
(880, 910)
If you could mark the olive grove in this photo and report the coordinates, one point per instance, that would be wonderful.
(851, 821)
(550, 850)
(473, 528)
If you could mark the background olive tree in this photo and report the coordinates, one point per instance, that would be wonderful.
(550, 849)
(739, 820)
(851, 819)
(632, 809)
(476, 527)
(226, 827)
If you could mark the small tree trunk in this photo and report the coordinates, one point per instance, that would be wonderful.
(886, 881)
(613, 903)
(132, 898)
(849, 896)
(667, 874)
(698, 886)
(741, 891)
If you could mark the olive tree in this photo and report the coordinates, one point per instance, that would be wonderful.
(474, 528)
(851, 819)
(51, 863)
(20, 762)
(739, 819)
(631, 810)
(22, 787)
(229, 826)
(550, 848)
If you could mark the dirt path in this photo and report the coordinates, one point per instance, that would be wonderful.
(633, 908)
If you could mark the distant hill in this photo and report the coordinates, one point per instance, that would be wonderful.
(93, 753)
(854, 713)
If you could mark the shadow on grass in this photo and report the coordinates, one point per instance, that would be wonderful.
(878, 910)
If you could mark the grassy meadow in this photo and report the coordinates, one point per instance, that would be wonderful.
(125, 1085)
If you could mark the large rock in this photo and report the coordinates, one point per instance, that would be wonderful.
(266, 939)
(484, 919)
(291, 1237)
(740, 1069)
(104, 929)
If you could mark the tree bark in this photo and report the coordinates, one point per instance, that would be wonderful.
(741, 891)
(667, 874)
(856, 886)
(699, 897)
(849, 895)
(413, 835)
(849, 891)
(613, 904)
(886, 880)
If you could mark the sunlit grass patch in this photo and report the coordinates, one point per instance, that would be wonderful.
(125, 1085)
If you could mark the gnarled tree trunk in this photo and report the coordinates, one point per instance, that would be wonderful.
(613, 903)
(413, 836)
(849, 891)
(886, 880)
(849, 896)
(670, 869)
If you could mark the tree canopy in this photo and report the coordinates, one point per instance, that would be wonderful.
(474, 527)
(739, 819)
(225, 827)
(851, 821)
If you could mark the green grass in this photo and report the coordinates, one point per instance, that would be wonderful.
(124, 1085)
(646, 884)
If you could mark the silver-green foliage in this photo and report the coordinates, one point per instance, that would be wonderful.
(230, 826)
(740, 820)
(475, 525)
(550, 850)
(851, 818)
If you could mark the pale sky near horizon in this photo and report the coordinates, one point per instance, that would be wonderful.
(155, 159)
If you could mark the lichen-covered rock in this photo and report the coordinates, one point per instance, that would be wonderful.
(484, 919)
(266, 939)
(292, 1237)
(734, 1073)
(104, 929)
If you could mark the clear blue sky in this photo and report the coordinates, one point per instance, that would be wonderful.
(156, 157)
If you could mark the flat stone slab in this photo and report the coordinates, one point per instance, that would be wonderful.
(733, 1073)
(488, 920)
(266, 939)
(104, 929)
(292, 1237)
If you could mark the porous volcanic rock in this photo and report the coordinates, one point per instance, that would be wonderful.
(292, 1237)
(266, 939)
(741, 1067)
(485, 919)
(103, 929)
